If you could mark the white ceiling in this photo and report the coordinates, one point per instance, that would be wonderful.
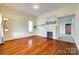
(28, 8)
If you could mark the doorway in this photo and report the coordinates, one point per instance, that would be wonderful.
(66, 28)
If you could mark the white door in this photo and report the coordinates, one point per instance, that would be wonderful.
(1, 30)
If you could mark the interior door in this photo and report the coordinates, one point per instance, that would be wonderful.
(1, 30)
(68, 28)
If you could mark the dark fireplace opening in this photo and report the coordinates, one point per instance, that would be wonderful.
(49, 35)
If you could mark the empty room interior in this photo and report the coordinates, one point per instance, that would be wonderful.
(39, 29)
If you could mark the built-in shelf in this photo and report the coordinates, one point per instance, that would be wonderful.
(47, 23)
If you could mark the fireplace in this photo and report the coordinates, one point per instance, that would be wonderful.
(49, 35)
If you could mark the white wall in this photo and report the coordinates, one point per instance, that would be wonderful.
(76, 27)
(62, 21)
(1, 29)
(66, 20)
(17, 23)
(64, 11)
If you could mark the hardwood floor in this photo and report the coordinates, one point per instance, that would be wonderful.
(37, 46)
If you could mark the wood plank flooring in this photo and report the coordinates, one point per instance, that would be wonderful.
(37, 45)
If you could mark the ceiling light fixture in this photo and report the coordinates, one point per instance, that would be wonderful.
(35, 5)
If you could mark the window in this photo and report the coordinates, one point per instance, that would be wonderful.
(30, 26)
